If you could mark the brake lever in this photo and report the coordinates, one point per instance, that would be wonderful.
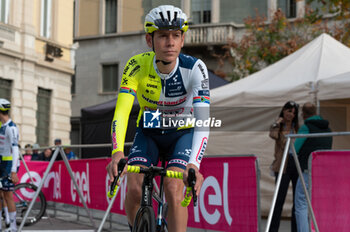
(191, 182)
(121, 166)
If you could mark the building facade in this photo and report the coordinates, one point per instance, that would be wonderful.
(109, 32)
(36, 67)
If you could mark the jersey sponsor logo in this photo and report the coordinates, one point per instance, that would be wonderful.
(134, 150)
(201, 150)
(178, 161)
(132, 62)
(172, 103)
(165, 103)
(114, 135)
(3, 130)
(205, 84)
(153, 78)
(174, 86)
(175, 79)
(134, 71)
(202, 71)
(124, 81)
(175, 94)
(149, 100)
(137, 159)
(146, 54)
(150, 91)
(186, 152)
(152, 86)
(203, 93)
(126, 69)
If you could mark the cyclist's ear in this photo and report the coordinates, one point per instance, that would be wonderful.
(149, 40)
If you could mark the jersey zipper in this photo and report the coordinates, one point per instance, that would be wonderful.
(163, 76)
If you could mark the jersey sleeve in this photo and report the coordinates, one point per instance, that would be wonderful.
(13, 138)
(201, 108)
(126, 96)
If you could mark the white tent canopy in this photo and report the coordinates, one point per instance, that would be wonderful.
(318, 71)
(294, 76)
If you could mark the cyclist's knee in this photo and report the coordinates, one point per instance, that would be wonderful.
(173, 189)
(134, 185)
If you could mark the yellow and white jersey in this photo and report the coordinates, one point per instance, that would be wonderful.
(182, 92)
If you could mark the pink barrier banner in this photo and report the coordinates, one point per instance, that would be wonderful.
(228, 200)
(330, 175)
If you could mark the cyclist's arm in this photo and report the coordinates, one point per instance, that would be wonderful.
(123, 107)
(13, 135)
(201, 103)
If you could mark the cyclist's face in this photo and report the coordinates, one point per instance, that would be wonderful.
(168, 44)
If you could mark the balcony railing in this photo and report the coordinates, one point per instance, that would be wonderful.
(212, 34)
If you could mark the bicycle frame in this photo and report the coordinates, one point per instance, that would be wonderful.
(147, 192)
(146, 204)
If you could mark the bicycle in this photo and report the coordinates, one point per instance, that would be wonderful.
(23, 194)
(145, 220)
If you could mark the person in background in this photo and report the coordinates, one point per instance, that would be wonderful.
(9, 154)
(46, 155)
(57, 142)
(286, 123)
(27, 156)
(69, 153)
(313, 123)
(36, 155)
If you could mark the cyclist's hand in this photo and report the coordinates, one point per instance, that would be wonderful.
(199, 178)
(112, 167)
(14, 178)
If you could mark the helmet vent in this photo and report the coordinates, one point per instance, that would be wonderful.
(162, 16)
(175, 16)
(168, 12)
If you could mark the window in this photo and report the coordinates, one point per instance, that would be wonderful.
(110, 78)
(288, 7)
(111, 16)
(201, 11)
(43, 116)
(4, 10)
(5, 89)
(45, 25)
(73, 79)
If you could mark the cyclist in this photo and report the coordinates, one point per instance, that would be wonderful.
(170, 87)
(9, 153)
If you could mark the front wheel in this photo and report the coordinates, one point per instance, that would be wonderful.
(22, 195)
(144, 220)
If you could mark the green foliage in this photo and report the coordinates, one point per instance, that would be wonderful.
(264, 44)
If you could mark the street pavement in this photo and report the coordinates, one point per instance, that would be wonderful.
(67, 224)
(66, 218)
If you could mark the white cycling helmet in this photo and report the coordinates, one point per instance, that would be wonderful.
(166, 17)
(5, 105)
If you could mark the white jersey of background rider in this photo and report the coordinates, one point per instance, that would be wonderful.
(9, 143)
